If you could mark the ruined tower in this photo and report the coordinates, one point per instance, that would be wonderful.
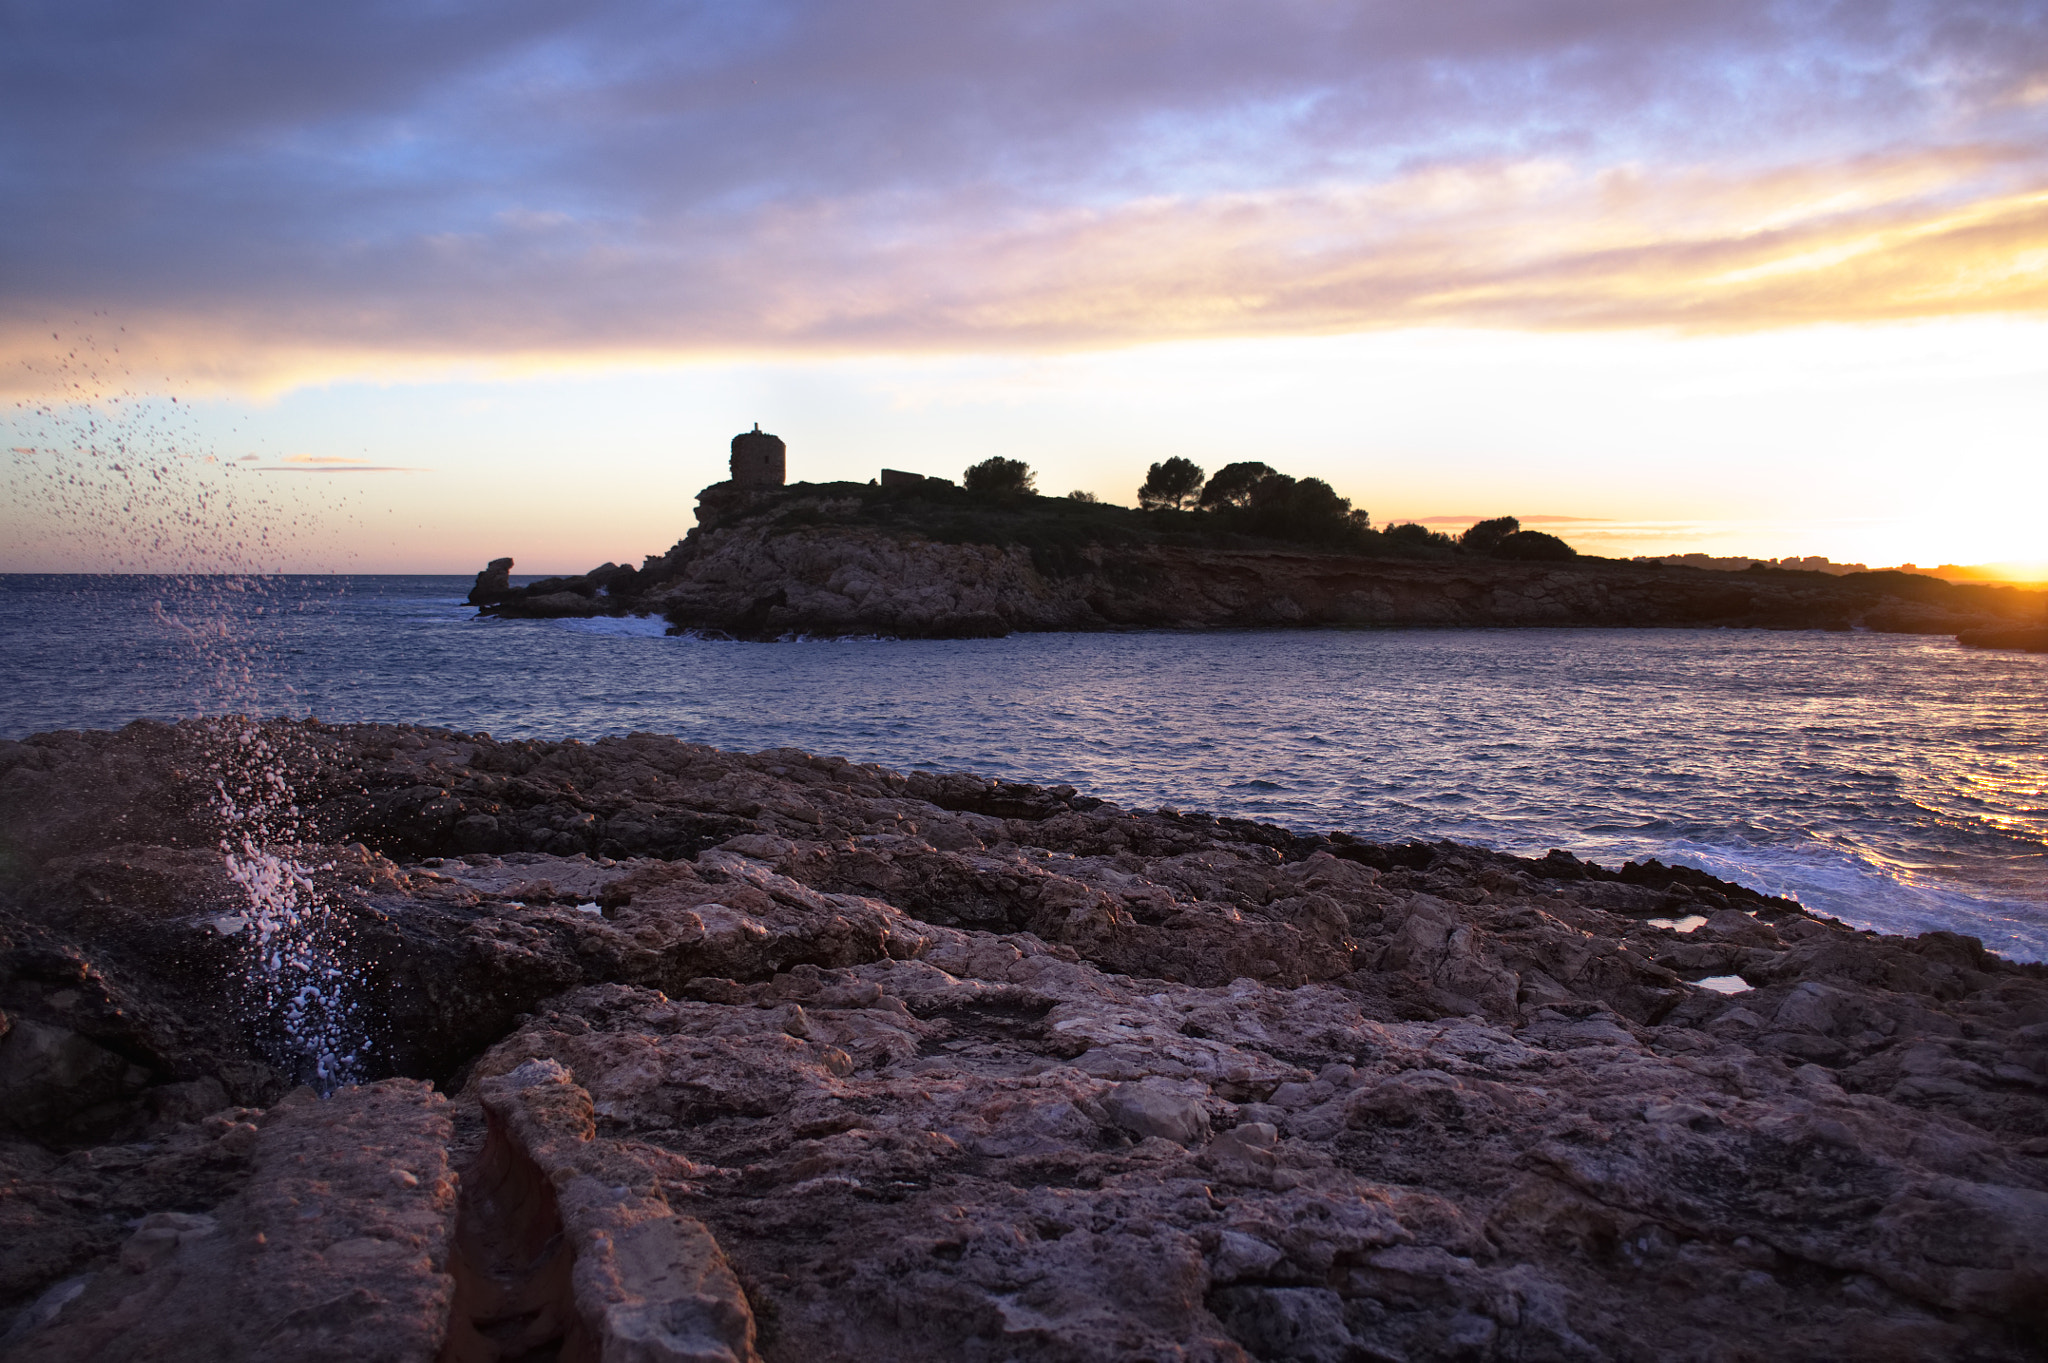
(758, 459)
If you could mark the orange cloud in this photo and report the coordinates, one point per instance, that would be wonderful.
(1530, 245)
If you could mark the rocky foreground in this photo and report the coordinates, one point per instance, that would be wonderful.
(841, 558)
(685, 1054)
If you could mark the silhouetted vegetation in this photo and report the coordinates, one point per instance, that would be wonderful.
(1307, 510)
(1420, 538)
(1000, 477)
(1173, 483)
(1233, 484)
(1246, 505)
(1486, 536)
(1533, 546)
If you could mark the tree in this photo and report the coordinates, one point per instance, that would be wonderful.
(1486, 536)
(1000, 477)
(1173, 482)
(1233, 484)
(1303, 509)
(1082, 495)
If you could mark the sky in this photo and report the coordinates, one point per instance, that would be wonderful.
(417, 285)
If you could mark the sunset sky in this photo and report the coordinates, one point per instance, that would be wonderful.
(443, 281)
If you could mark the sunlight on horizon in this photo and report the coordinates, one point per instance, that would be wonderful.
(1875, 444)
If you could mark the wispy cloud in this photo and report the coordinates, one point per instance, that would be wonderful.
(360, 188)
(1526, 520)
(331, 463)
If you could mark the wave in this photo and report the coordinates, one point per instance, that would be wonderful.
(1866, 894)
(616, 626)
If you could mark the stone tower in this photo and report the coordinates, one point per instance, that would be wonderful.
(758, 459)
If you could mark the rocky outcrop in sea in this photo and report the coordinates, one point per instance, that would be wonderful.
(2020, 640)
(931, 562)
(676, 1053)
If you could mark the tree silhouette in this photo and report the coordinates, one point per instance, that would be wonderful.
(1307, 510)
(1173, 482)
(1486, 536)
(1233, 483)
(1000, 477)
(1408, 532)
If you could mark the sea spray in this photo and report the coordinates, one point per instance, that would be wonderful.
(300, 974)
(110, 480)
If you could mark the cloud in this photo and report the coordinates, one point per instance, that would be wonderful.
(331, 463)
(1526, 520)
(269, 196)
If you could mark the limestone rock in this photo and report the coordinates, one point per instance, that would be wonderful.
(574, 1241)
(335, 1248)
(1150, 1108)
(806, 1058)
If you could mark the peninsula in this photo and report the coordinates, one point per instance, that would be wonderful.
(920, 557)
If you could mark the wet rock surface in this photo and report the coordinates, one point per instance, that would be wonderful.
(782, 1056)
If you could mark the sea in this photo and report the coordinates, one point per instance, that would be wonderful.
(1896, 782)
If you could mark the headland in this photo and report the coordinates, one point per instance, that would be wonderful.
(925, 559)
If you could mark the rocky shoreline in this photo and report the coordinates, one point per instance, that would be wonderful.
(2020, 640)
(687, 1054)
(847, 559)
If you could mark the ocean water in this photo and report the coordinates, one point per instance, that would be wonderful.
(1897, 782)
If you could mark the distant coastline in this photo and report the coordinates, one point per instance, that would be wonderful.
(926, 559)
(2006, 574)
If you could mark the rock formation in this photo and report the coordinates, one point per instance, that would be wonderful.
(928, 561)
(493, 584)
(786, 1057)
(2022, 639)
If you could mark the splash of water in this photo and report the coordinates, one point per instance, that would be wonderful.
(301, 978)
(113, 480)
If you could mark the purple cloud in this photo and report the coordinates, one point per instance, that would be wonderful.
(274, 185)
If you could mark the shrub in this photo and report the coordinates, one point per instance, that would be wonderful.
(1410, 533)
(1082, 495)
(997, 477)
(1533, 546)
(1486, 536)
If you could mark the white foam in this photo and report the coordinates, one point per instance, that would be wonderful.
(1725, 984)
(617, 626)
(1865, 894)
